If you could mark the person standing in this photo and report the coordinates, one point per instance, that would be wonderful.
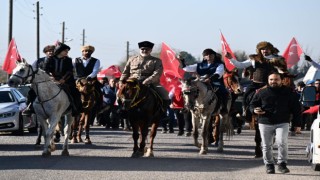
(274, 104)
(88, 67)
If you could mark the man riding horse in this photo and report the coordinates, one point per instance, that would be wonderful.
(147, 69)
(263, 63)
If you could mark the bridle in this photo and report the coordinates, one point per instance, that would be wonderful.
(24, 79)
(134, 101)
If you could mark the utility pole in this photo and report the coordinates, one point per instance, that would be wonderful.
(63, 29)
(83, 37)
(127, 50)
(10, 20)
(38, 31)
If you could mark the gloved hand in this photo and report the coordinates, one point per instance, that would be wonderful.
(214, 77)
(307, 58)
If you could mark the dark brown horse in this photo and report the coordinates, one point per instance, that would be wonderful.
(144, 108)
(88, 96)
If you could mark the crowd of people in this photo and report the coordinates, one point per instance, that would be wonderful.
(271, 102)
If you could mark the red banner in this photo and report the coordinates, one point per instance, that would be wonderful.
(110, 71)
(12, 56)
(171, 68)
(292, 53)
(225, 49)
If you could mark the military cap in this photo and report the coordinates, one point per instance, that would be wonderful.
(48, 48)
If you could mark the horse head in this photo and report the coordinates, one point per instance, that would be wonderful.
(231, 81)
(190, 92)
(128, 92)
(85, 86)
(22, 73)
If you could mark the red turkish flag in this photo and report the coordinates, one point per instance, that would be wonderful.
(12, 56)
(171, 68)
(110, 71)
(292, 53)
(312, 110)
(226, 48)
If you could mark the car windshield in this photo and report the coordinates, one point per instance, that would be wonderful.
(6, 96)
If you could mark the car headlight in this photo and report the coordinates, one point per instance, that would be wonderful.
(7, 114)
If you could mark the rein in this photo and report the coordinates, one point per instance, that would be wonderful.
(24, 79)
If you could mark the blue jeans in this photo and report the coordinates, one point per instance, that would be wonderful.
(280, 131)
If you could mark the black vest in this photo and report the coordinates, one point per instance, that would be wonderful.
(262, 70)
(84, 71)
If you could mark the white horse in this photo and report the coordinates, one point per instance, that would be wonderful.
(202, 102)
(51, 103)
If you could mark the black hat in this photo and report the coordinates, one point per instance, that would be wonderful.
(48, 48)
(146, 44)
(208, 52)
(60, 47)
(301, 83)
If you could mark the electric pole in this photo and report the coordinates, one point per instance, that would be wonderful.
(38, 31)
(83, 37)
(10, 20)
(63, 29)
(127, 50)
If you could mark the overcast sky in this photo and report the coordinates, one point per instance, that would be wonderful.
(188, 25)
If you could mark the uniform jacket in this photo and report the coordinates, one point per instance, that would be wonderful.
(143, 68)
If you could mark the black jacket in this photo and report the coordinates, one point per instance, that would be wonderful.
(279, 104)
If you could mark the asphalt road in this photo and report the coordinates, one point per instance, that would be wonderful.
(175, 158)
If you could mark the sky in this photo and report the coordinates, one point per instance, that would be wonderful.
(184, 25)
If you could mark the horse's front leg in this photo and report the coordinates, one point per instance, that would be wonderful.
(143, 136)
(67, 131)
(153, 134)
(80, 126)
(204, 133)
(195, 131)
(220, 129)
(48, 147)
(135, 136)
(87, 128)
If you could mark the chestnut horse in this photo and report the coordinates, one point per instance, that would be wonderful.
(144, 108)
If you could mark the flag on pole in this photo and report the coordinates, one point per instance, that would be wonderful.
(292, 53)
(12, 56)
(171, 68)
(226, 48)
(110, 71)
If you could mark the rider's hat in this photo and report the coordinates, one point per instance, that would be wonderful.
(266, 45)
(60, 47)
(48, 48)
(145, 44)
(87, 47)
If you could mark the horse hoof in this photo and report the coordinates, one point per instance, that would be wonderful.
(52, 148)
(203, 152)
(65, 153)
(74, 140)
(80, 140)
(37, 146)
(199, 145)
(46, 154)
(149, 153)
(137, 154)
(56, 140)
(87, 141)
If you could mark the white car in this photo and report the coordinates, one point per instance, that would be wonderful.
(12, 103)
(313, 148)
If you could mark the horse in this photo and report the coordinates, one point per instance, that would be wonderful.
(202, 101)
(51, 103)
(231, 81)
(88, 95)
(144, 108)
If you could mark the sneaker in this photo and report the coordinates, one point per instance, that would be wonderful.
(282, 167)
(180, 133)
(188, 134)
(270, 169)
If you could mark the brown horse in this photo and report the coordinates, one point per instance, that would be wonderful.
(231, 81)
(86, 89)
(143, 106)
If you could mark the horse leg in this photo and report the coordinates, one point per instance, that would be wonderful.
(67, 130)
(80, 127)
(195, 131)
(153, 134)
(257, 139)
(135, 136)
(49, 144)
(143, 136)
(220, 129)
(216, 130)
(74, 127)
(38, 141)
(204, 133)
(87, 127)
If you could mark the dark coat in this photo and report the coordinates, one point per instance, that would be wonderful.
(278, 103)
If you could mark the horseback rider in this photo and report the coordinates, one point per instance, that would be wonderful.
(39, 63)
(147, 69)
(212, 69)
(263, 63)
(60, 67)
(88, 67)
